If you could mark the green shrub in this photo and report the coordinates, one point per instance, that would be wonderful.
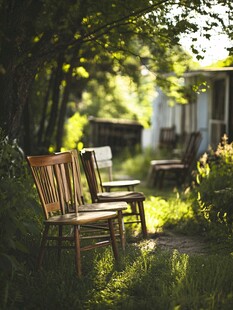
(215, 185)
(17, 213)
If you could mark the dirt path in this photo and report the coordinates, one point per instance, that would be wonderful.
(184, 244)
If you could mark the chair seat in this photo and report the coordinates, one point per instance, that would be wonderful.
(80, 218)
(124, 183)
(111, 206)
(171, 167)
(121, 196)
(165, 162)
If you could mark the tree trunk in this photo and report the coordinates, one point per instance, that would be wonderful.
(40, 134)
(27, 143)
(55, 103)
(62, 114)
(14, 84)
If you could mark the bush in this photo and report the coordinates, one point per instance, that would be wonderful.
(215, 185)
(18, 207)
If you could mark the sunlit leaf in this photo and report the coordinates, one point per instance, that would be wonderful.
(66, 67)
(80, 71)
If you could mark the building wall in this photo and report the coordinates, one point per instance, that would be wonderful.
(197, 114)
(163, 116)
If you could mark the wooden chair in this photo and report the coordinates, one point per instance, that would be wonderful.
(179, 168)
(103, 156)
(56, 185)
(134, 199)
(118, 206)
(167, 137)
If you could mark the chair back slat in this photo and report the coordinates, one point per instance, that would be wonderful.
(55, 182)
(167, 137)
(191, 148)
(78, 178)
(103, 156)
(46, 184)
(90, 168)
(62, 181)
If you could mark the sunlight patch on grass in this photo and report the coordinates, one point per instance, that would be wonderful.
(167, 280)
(161, 212)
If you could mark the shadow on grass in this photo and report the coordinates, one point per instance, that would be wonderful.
(146, 277)
(143, 279)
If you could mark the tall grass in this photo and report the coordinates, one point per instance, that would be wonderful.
(146, 277)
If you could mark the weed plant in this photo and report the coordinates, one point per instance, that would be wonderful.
(18, 216)
(214, 191)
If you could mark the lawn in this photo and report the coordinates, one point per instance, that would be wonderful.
(147, 276)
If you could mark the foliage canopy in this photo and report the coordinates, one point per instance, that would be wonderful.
(50, 51)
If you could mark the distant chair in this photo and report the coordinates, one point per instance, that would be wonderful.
(103, 155)
(180, 168)
(167, 137)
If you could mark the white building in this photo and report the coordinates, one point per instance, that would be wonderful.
(210, 110)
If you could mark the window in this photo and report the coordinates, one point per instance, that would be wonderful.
(218, 112)
(218, 102)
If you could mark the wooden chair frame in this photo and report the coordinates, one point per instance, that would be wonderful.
(118, 206)
(180, 168)
(134, 199)
(167, 137)
(55, 180)
(103, 155)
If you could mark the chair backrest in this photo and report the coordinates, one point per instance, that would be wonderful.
(55, 180)
(103, 155)
(91, 170)
(167, 137)
(191, 148)
(77, 175)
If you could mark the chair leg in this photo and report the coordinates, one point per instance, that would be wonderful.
(156, 175)
(42, 246)
(77, 250)
(161, 176)
(134, 209)
(150, 176)
(121, 229)
(133, 206)
(113, 239)
(183, 176)
(143, 220)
